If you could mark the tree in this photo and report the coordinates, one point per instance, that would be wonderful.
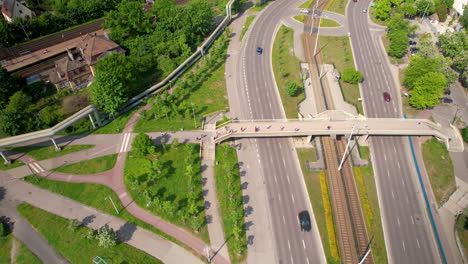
(106, 237)
(425, 7)
(464, 18)
(141, 144)
(350, 75)
(399, 44)
(3, 229)
(108, 93)
(8, 85)
(19, 102)
(442, 11)
(292, 89)
(417, 68)
(73, 224)
(383, 9)
(453, 44)
(428, 90)
(460, 63)
(426, 46)
(464, 133)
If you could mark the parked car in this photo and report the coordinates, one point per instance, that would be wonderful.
(259, 50)
(387, 97)
(364, 10)
(447, 91)
(446, 100)
(411, 42)
(304, 221)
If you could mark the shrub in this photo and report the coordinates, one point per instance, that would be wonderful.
(142, 144)
(73, 224)
(106, 237)
(292, 89)
(351, 75)
(464, 133)
(3, 229)
(328, 216)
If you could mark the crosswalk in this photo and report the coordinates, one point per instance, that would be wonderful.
(125, 142)
(35, 167)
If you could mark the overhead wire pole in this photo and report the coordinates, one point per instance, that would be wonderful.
(346, 149)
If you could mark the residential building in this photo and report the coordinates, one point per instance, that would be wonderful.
(12, 9)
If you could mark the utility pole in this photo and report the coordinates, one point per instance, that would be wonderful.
(112, 201)
(346, 149)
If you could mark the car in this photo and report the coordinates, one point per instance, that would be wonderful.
(355, 1)
(304, 221)
(364, 10)
(447, 91)
(411, 42)
(446, 100)
(386, 97)
(304, 10)
(259, 50)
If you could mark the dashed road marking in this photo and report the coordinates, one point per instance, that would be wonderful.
(292, 195)
(417, 241)
(284, 220)
(303, 243)
(125, 142)
(412, 220)
(403, 243)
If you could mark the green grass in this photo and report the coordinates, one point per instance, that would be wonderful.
(386, 43)
(48, 152)
(365, 182)
(307, 4)
(337, 51)
(286, 68)
(312, 180)
(72, 244)
(227, 156)
(439, 168)
(246, 26)
(91, 166)
(117, 125)
(462, 230)
(337, 6)
(5, 248)
(258, 8)
(172, 185)
(300, 18)
(325, 22)
(25, 256)
(14, 164)
(93, 195)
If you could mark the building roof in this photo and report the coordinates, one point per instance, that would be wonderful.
(92, 46)
(8, 7)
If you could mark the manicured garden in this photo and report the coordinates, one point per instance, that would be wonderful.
(439, 168)
(228, 189)
(48, 152)
(75, 242)
(166, 180)
(286, 68)
(91, 166)
(337, 51)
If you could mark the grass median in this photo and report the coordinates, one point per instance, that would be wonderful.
(246, 26)
(337, 6)
(48, 152)
(73, 245)
(337, 51)
(439, 168)
(21, 254)
(324, 22)
(91, 166)
(229, 192)
(14, 164)
(286, 68)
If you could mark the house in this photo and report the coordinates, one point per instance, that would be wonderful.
(67, 64)
(12, 9)
(458, 5)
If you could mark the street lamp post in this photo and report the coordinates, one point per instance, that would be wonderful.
(346, 149)
(112, 201)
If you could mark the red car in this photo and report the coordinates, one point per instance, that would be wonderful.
(386, 97)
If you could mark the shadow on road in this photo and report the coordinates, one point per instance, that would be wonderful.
(125, 232)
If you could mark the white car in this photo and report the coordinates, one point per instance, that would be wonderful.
(303, 10)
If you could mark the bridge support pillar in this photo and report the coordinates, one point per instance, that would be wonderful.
(7, 161)
(57, 148)
(333, 136)
(92, 122)
(362, 140)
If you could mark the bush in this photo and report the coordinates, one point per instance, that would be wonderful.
(351, 75)
(142, 144)
(292, 89)
(464, 133)
(3, 229)
(442, 12)
(106, 237)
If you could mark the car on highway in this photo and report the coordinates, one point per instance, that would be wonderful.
(259, 51)
(304, 221)
(411, 42)
(386, 97)
(364, 10)
(304, 10)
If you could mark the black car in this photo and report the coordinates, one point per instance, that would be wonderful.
(446, 100)
(304, 221)
(411, 42)
(447, 91)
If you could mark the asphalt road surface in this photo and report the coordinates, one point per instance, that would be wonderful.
(408, 235)
(277, 158)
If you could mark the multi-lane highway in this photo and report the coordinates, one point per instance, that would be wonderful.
(258, 98)
(408, 235)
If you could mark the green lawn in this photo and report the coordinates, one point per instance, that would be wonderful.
(337, 6)
(365, 182)
(312, 180)
(325, 22)
(258, 8)
(91, 166)
(307, 4)
(5, 248)
(300, 18)
(246, 26)
(226, 157)
(286, 68)
(117, 125)
(72, 244)
(14, 164)
(337, 51)
(172, 185)
(25, 256)
(43, 153)
(462, 230)
(386, 43)
(439, 168)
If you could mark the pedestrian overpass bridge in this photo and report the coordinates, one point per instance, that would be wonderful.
(335, 122)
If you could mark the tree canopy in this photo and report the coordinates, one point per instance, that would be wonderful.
(428, 90)
(453, 44)
(417, 68)
(107, 93)
(350, 75)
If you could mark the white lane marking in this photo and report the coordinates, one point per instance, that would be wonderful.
(284, 163)
(288, 178)
(398, 220)
(124, 142)
(303, 243)
(398, 163)
(403, 181)
(292, 195)
(280, 146)
(289, 245)
(407, 200)
(394, 149)
(279, 197)
(385, 157)
(307, 260)
(276, 180)
(412, 220)
(417, 241)
(393, 194)
(404, 248)
(284, 220)
(292, 260)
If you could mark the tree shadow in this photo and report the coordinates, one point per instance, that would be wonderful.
(2, 193)
(244, 185)
(245, 199)
(250, 240)
(247, 225)
(88, 220)
(248, 211)
(125, 232)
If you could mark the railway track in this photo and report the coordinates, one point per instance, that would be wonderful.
(349, 220)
